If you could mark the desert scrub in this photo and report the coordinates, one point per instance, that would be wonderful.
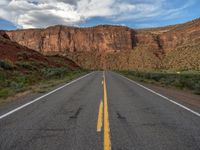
(23, 55)
(54, 72)
(14, 82)
(6, 64)
(187, 80)
(197, 88)
(26, 65)
(5, 92)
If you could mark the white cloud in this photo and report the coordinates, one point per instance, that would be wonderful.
(43, 13)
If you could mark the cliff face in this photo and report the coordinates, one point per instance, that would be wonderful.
(184, 34)
(70, 39)
(117, 47)
(18, 54)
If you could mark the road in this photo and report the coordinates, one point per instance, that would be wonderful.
(100, 111)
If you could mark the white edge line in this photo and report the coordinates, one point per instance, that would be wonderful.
(172, 101)
(39, 98)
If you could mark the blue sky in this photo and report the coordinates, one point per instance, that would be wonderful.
(133, 13)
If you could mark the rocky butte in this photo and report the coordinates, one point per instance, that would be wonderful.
(174, 47)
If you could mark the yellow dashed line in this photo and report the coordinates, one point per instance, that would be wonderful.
(100, 117)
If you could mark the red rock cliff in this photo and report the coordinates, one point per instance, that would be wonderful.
(62, 39)
(118, 47)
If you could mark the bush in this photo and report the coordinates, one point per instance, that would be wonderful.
(23, 55)
(54, 72)
(189, 81)
(197, 88)
(26, 65)
(19, 82)
(2, 76)
(5, 92)
(6, 64)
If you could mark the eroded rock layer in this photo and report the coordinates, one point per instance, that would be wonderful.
(117, 47)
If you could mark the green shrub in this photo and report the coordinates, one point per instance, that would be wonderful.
(2, 76)
(197, 88)
(23, 55)
(22, 79)
(19, 82)
(26, 65)
(54, 72)
(6, 64)
(186, 80)
(5, 92)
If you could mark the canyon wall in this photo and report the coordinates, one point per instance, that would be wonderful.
(71, 39)
(118, 47)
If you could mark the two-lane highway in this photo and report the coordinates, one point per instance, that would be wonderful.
(100, 112)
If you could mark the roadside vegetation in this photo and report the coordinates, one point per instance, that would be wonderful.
(189, 80)
(32, 76)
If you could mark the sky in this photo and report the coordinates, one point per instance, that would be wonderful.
(22, 14)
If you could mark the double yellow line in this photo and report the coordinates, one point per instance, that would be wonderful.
(103, 109)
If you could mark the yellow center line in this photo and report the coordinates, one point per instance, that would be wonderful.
(107, 143)
(100, 116)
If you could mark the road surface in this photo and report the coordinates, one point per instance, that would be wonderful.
(100, 111)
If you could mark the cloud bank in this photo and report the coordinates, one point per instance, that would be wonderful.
(43, 13)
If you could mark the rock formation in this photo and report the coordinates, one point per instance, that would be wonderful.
(16, 53)
(118, 47)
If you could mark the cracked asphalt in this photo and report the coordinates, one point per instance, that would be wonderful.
(67, 119)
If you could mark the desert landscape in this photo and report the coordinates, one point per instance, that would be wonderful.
(99, 86)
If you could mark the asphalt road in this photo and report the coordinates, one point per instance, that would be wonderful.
(99, 112)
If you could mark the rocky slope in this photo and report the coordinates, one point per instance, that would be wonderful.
(21, 57)
(116, 47)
